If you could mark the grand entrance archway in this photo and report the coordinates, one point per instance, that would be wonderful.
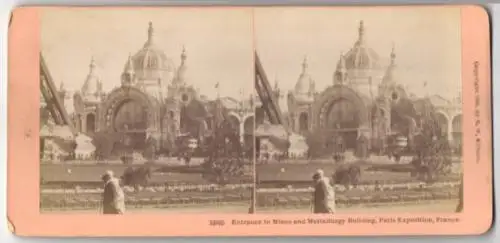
(130, 116)
(340, 111)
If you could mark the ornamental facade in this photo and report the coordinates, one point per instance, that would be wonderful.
(365, 99)
(155, 100)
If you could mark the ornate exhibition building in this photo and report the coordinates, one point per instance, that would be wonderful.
(155, 100)
(365, 98)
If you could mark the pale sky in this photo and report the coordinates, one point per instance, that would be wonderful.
(426, 40)
(218, 42)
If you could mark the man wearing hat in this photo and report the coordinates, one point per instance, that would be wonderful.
(324, 194)
(113, 199)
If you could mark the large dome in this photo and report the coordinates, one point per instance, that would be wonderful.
(361, 56)
(150, 62)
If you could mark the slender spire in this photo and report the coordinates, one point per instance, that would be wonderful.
(304, 65)
(393, 55)
(129, 67)
(361, 31)
(92, 64)
(150, 33)
(183, 55)
(341, 72)
(341, 67)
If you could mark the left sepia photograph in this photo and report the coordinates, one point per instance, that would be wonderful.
(147, 110)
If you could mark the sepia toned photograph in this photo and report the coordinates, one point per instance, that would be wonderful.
(249, 121)
(146, 110)
(361, 110)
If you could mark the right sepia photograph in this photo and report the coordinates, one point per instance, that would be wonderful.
(360, 110)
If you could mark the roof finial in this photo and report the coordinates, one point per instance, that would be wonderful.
(150, 32)
(92, 64)
(341, 65)
(393, 55)
(129, 67)
(183, 54)
(361, 30)
(304, 64)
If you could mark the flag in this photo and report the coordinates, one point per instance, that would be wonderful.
(425, 83)
(217, 85)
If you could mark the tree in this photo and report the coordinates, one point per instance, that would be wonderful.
(433, 151)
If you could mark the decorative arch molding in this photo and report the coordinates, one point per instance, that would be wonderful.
(120, 96)
(235, 115)
(444, 114)
(333, 94)
(247, 116)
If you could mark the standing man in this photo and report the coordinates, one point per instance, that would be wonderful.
(113, 198)
(324, 194)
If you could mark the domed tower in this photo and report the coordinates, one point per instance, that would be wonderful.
(362, 64)
(180, 75)
(300, 101)
(179, 89)
(340, 76)
(86, 102)
(390, 93)
(151, 66)
(390, 87)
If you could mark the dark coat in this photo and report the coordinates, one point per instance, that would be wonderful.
(323, 197)
(113, 199)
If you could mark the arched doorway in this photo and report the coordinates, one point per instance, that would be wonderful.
(303, 122)
(342, 118)
(235, 123)
(91, 123)
(442, 121)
